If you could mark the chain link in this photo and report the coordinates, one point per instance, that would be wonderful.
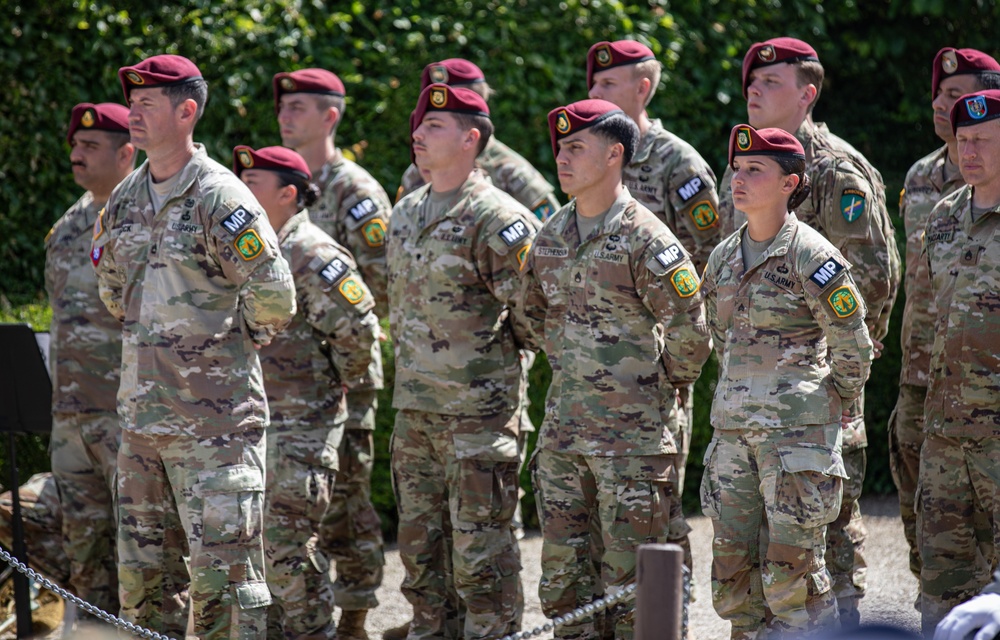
(98, 613)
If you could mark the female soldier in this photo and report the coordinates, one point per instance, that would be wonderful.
(326, 350)
(788, 328)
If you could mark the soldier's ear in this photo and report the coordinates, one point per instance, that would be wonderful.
(789, 183)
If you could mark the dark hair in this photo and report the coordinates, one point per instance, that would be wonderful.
(619, 127)
(796, 166)
(810, 72)
(118, 139)
(324, 102)
(472, 121)
(196, 90)
(308, 192)
(987, 80)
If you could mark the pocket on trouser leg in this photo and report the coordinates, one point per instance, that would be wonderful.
(808, 488)
(711, 495)
(488, 479)
(232, 511)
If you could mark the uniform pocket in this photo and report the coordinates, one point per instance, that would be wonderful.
(487, 476)
(809, 487)
(711, 497)
(232, 512)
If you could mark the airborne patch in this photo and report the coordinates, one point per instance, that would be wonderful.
(522, 255)
(543, 210)
(363, 209)
(238, 220)
(843, 302)
(852, 204)
(690, 188)
(670, 255)
(826, 272)
(95, 255)
(99, 224)
(333, 270)
(684, 282)
(513, 233)
(351, 291)
(374, 233)
(704, 215)
(88, 120)
(249, 245)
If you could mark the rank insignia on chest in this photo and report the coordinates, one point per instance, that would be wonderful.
(670, 255)
(333, 270)
(374, 233)
(514, 233)
(684, 282)
(351, 291)
(237, 220)
(363, 209)
(843, 302)
(704, 215)
(852, 204)
(249, 245)
(826, 272)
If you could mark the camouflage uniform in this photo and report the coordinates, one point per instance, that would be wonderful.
(670, 178)
(959, 480)
(452, 284)
(926, 183)
(793, 353)
(509, 172)
(197, 285)
(327, 348)
(618, 313)
(41, 515)
(85, 352)
(354, 210)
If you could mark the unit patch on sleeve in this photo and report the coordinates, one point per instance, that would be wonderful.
(513, 233)
(333, 270)
(670, 255)
(522, 255)
(543, 210)
(685, 283)
(826, 272)
(704, 215)
(238, 220)
(374, 233)
(363, 209)
(690, 188)
(249, 245)
(352, 291)
(852, 204)
(843, 302)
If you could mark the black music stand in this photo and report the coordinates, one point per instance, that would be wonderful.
(25, 407)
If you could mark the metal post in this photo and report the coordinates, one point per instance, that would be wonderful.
(22, 597)
(659, 599)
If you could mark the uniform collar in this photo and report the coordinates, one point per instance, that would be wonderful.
(293, 224)
(613, 220)
(779, 246)
(646, 142)
(188, 174)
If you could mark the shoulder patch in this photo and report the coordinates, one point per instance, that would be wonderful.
(333, 271)
(826, 272)
(704, 215)
(522, 255)
(843, 302)
(363, 209)
(98, 224)
(685, 282)
(351, 291)
(238, 220)
(95, 255)
(249, 245)
(374, 233)
(852, 204)
(690, 188)
(543, 210)
(513, 233)
(670, 255)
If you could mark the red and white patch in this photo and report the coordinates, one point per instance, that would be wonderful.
(95, 255)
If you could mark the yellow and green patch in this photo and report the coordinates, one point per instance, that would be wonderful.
(704, 215)
(374, 233)
(843, 302)
(685, 282)
(352, 291)
(249, 245)
(522, 255)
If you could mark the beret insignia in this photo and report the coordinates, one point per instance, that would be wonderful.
(134, 77)
(603, 55)
(562, 122)
(245, 158)
(439, 73)
(766, 54)
(949, 62)
(976, 105)
(743, 139)
(439, 97)
(88, 118)
(287, 84)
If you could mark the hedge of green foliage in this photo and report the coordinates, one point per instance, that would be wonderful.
(55, 54)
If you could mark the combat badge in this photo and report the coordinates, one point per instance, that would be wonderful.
(351, 291)
(843, 302)
(249, 245)
(704, 215)
(684, 282)
(374, 233)
(852, 204)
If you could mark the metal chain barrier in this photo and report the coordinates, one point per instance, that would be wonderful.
(102, 615)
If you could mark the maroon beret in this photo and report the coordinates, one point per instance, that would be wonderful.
(106, 116)
(747, 141)
(270, 159)
(773, 51)
(974, 108)
(576, 117)
(453, 71)
(158, 71)
(605, 55)
(318, 81)
(441, 97)
(954, 62)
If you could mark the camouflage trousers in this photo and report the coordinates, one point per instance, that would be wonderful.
(632, 502)
(42, 519)
(845, 541)
(351, 534)
(84, 452)
(301, 467)
(906, 435)
(461, 468)
(203, 498)
(789, 482)
(686, 420)
(958, 496)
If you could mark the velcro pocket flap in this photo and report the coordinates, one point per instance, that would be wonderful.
(500, 447)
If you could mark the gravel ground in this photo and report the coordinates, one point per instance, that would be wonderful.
(891, 587)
